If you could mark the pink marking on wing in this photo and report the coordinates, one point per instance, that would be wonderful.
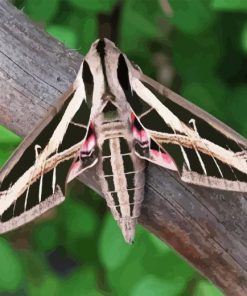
(140, 135)
(74, 169)
(163, 159)
(88, 144)
(136, 133)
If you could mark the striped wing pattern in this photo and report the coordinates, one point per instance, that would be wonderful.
(202, 154)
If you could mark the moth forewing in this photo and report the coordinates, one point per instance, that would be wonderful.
(40, 165)
(218, 150)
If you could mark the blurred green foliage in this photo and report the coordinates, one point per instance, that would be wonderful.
(77, 249)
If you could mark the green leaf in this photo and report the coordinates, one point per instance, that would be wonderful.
(41, 10)
(244, 37)
(196, 56)
(168, 266)
(231, 5)
(47, 285)
(46, 236)
(80, 220)
(159, 244)
(152, 286)
(8, 142)
(82, 282)
(145, 259)
(237, 109)
(205, 288)
(208, 96)
(95, 5)
(6, 136)
(88, 32)
(6, 151)
(64, 34)
(113, 250)
(131, 270)
(11, 272)
(142, 17)
(191, 16)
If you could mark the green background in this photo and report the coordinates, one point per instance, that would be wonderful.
(77, 249)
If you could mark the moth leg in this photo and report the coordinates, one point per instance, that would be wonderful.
(79, 124)
(146, 112)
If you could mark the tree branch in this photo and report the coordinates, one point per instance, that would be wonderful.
(207, 227)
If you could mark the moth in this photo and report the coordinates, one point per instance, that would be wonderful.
(113, 120)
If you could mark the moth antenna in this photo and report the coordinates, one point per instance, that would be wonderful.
(184, 153)
(193, 122)
(41, 184)
(145, 113)
(36, 147)
(26, 197)
(54, 178)
(201, 162)
(218, 167)
(78, 124)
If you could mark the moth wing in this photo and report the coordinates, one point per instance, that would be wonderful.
(34, 179)
(205, 151)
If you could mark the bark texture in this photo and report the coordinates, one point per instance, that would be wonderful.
(207, 227)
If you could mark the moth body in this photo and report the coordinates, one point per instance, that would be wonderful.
(119, 170)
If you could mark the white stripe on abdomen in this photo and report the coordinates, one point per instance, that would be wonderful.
(119, 177)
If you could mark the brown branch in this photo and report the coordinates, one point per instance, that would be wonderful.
(207, 227)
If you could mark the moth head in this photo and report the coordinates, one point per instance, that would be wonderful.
(105, 56)
(103, 46)
(112, 73)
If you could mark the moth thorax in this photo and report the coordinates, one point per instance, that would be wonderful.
(110, 111)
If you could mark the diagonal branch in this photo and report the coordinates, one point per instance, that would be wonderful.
(207, 227)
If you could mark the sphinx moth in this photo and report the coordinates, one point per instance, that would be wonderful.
(113, 120)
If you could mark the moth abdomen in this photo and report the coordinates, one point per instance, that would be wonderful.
(121, 175)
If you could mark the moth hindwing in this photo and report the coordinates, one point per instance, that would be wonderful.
(113, 119)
